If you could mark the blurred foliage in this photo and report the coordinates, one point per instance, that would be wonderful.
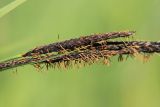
(131, 83)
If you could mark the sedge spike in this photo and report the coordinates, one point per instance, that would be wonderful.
(87, 49)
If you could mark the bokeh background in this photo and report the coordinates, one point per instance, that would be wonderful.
(131, 83)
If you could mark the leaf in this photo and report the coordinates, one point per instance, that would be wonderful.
(11, 6)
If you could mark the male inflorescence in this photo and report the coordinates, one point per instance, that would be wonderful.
(83, 50)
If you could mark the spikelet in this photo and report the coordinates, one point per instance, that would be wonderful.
(84, 51)
(76, 43)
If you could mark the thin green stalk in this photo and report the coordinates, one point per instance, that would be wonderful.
(11, 6)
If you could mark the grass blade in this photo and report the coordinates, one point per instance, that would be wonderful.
(11, 6)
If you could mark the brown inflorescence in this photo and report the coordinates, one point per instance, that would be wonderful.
(71, 44)
(88, 49)
(106, 50)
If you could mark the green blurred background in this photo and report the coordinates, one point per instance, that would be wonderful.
(131, 83)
